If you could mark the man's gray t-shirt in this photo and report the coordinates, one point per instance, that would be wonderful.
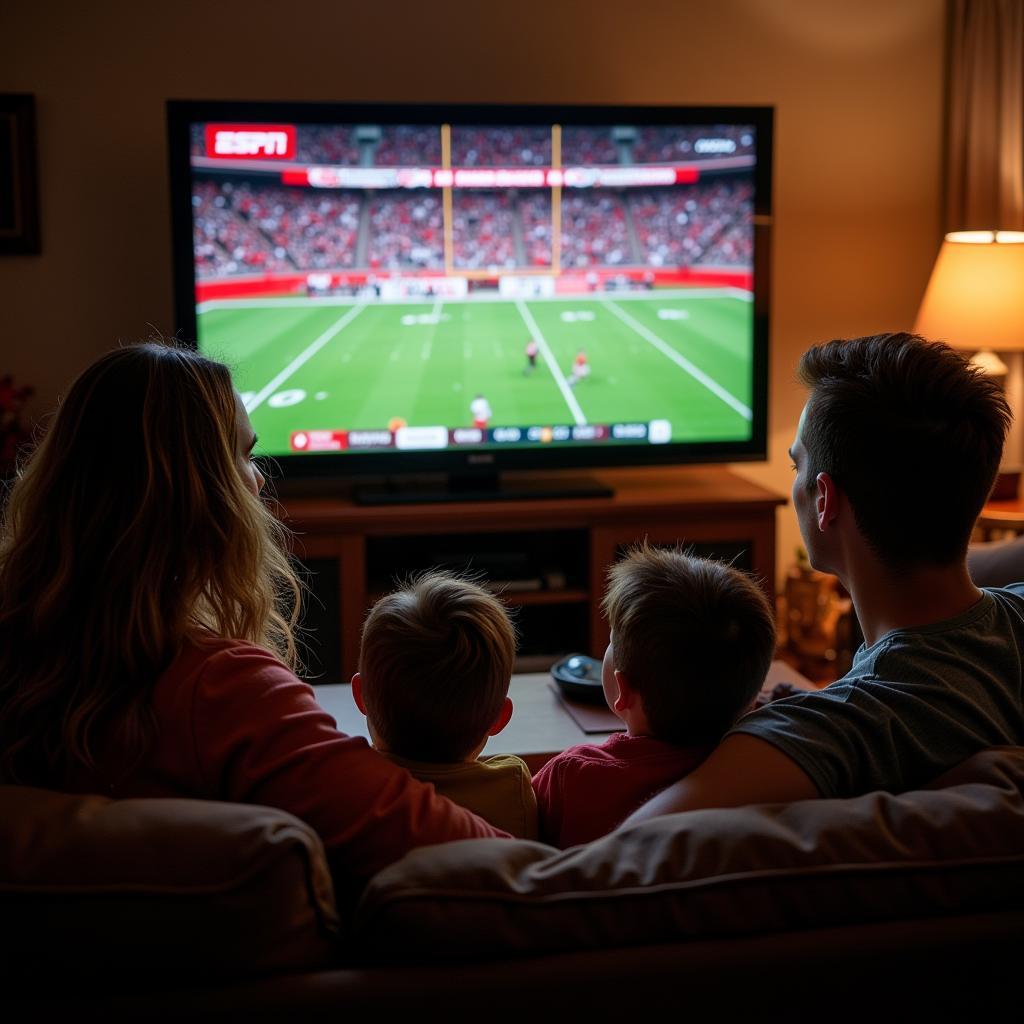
(915, 703)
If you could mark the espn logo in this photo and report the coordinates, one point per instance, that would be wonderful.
(252, 141)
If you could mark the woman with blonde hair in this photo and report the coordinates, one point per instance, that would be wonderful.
(146, 621)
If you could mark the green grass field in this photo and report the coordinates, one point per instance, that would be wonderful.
(309, 364)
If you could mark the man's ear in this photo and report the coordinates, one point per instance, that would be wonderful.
(357, 692)
(826, 501)
(627, 696)
(503, 718)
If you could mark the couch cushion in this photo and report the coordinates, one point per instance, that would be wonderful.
(160, 886)
(704, 874)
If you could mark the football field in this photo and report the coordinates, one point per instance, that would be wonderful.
(684, 356)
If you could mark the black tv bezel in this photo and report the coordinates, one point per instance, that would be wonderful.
(182, 113)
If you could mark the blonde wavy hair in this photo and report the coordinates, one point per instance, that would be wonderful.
(129, 531)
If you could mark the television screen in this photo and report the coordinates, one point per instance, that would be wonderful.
(429, 286)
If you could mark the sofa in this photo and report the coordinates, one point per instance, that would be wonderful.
(886, 905)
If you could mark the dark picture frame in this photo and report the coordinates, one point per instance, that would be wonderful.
(19, 192)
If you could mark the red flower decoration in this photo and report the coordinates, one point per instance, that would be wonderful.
(13, 431)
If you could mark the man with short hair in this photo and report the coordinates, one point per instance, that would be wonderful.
(895, 454)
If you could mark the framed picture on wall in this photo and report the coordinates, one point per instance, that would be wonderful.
(19, 195)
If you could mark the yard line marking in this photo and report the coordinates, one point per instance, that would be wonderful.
(429, 343)
(303, 357)
(545, 351)
(681, 361)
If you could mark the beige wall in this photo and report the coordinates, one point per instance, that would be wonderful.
(856, 84)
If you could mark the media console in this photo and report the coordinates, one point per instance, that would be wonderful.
(548, 557)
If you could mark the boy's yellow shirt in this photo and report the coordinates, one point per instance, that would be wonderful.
(497, 788)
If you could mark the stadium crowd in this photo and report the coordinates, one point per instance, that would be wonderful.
(406, 231)
(326, 144)
(586, 145)
(501, 147)
(224, 241)
(245, 227)
(535, 216)
(408, 146)
(594, 230)
(689, 224)
(317, 231)
(483, 230)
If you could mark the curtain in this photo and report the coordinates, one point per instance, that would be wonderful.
(985, 116)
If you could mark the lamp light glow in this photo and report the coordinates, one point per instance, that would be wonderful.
(975, 296)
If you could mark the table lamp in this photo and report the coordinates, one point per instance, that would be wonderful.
(975, 296)
(975, 301)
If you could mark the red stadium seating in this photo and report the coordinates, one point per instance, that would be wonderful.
(501, 147)
(406, 231)
(252, 226)
(695, 224)
(484, 230)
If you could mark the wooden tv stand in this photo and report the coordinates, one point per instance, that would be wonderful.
(552, 554)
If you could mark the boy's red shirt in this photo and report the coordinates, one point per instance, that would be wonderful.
(587, 791)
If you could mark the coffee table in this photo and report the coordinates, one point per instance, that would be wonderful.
(542, 724)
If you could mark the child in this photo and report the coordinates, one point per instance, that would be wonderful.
(435, 667)
(692, 640)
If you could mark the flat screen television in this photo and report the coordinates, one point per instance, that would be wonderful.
(469, 289)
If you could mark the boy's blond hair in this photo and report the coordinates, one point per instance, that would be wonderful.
(436, 661)
(692, 636)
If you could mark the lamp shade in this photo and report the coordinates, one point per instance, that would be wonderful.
(975, 296)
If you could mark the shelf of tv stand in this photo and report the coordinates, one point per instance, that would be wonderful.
(571, 595)
(709, 507)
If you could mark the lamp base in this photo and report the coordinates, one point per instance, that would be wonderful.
(989, 363)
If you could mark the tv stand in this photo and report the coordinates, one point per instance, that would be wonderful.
(480, 487)
(547, 556)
